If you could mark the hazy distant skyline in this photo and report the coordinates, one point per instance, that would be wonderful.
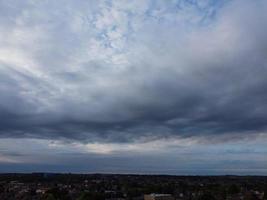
(143, 86)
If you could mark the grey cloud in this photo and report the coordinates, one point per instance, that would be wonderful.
(210, 80)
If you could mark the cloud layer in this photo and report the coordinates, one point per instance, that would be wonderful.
(117, 71)
(168, 156)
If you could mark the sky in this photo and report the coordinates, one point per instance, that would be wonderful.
(141, 86)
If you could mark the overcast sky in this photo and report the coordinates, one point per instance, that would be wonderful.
(142, 86)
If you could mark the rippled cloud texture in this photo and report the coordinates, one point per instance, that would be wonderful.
(124, 81)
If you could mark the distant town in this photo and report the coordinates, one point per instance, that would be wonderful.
(47, 186)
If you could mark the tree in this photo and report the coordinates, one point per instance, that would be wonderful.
(233, 189)
(50, 197)
(207, 196)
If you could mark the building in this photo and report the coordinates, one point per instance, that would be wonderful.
(158, 197)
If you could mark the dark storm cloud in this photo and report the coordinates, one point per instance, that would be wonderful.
(69, 78)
